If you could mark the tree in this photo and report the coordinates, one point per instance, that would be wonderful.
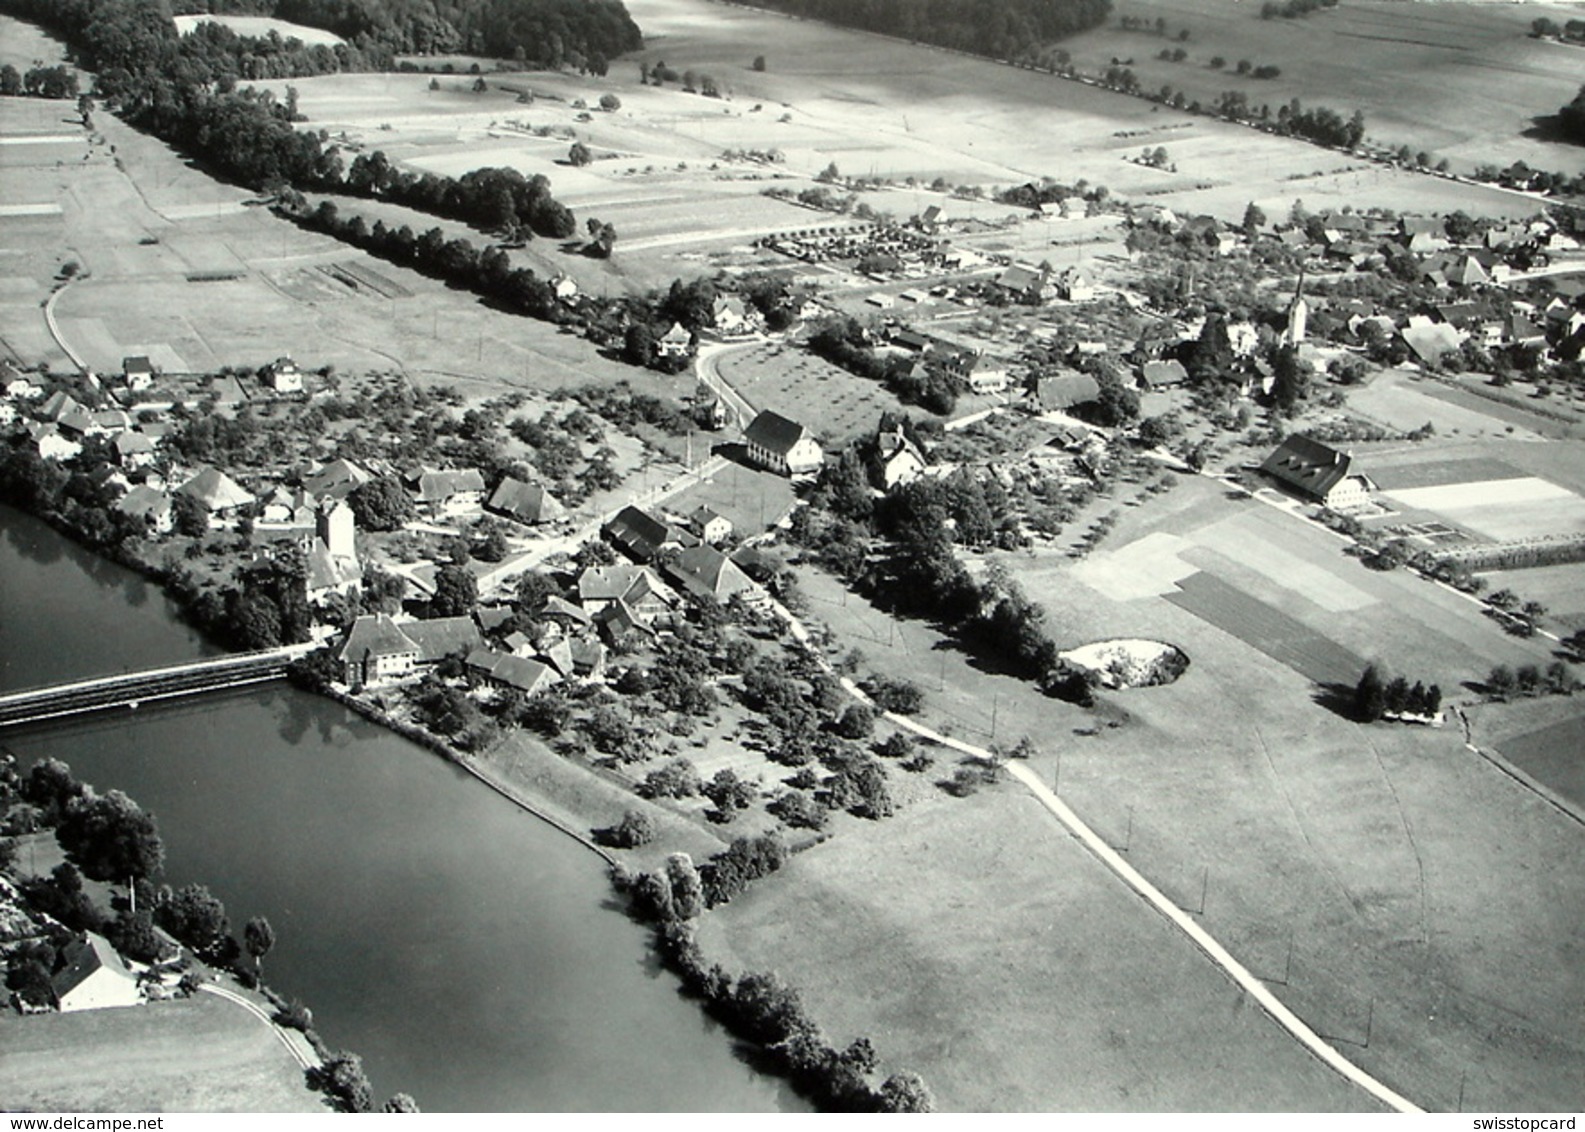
(400, 1102)
(857, 722)
(687, 890)
(1501, 682)
(456, 591)
(189, 515)
(636, 829)
(759, 62)
(905, 1092)
(109, 838)
(1370, 696)
(1572, 117)
(258, 937)
(610, 103)
(341, 1077)
(380, 504)
(1254, 218)
(638, 345)
(579, 154)
(195, 916)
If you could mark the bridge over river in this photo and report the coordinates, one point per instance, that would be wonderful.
(129, 689)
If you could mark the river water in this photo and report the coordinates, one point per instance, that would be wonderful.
(469, 952)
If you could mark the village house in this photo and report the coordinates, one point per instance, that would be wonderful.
(289, 505)
(503, 670)
(1059, 392)
(440, 637)
(733, 317)
(641, 536)
(782, 446)
(133, 450)
(705, 574)
(636, 588)
(1161, 375)
(448, 492)
(138, 372)
(94, 977)
(1075, 286)
(982, 373)
(1026, 284)
(48, 441)
(565, 287)
(377, 651)
(150, 505)
(336, 480)
(283, 376)
(527, 503)
(712, 527)
(675, 343)
(1318, 473)
(221, 495)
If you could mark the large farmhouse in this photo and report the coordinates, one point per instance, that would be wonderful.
(1313, 471)
(782, 445)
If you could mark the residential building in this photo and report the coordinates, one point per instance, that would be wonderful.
(527, 503)
(641, 536)
(138, 371)
(710, 526)
(1058, 392)
(283, 376)
(448, 492)
(377, 651)
(1318, 473)
(218, 492)
(783, 446)
(149, 504)
(133, 450)
(705, 574)
(675, 343)
(94, 977)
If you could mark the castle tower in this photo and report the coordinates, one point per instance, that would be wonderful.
(335, 527)
(1298, 315)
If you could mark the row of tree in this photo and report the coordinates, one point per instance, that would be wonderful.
(1377, 697)
(38, 82)
(1000, 29)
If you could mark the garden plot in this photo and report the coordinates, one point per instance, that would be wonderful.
(1268, 629)
(1554, 755)
(1234, 539)
(1504, 510)
(1148, 567)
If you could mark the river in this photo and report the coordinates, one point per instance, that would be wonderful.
(469, 952)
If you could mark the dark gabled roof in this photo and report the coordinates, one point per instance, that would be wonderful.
(492, 617)
(514, 671)
(441, 636)
(1155, 374)
(137, 363)
(705, 572)
(336, 479)
(637, 533)
(1020, 278)
(437, 487)
(1307, 466)
(774, 432)
(375, 634)
(558, 606)
(144, 502)
(89, 953)
(525, 502)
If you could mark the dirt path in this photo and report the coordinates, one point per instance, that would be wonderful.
(295, 1044)
(1131, 876)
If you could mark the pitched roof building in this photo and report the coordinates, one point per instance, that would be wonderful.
(528, 503)
(781, 445)
(95, 976)
(1317, 472)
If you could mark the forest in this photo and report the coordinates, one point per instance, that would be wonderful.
(999, 29)
(546, 33)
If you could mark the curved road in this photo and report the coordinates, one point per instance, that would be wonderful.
(296, 1047)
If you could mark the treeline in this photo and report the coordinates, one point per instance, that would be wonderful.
(38, 82)
(1571, 116)
(843, 342)
(1000, 29)
(546, 33)
(916, 569)
(1377, 697)
(110, 839)
(492, 199)
(759, 1007)
(1521, 556)
(1320, 124)
(1293, 9)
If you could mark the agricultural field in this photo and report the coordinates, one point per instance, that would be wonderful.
(201, 1054)
(1382, 880)
(1462, 81)
(1553, 754)
(261, 26)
